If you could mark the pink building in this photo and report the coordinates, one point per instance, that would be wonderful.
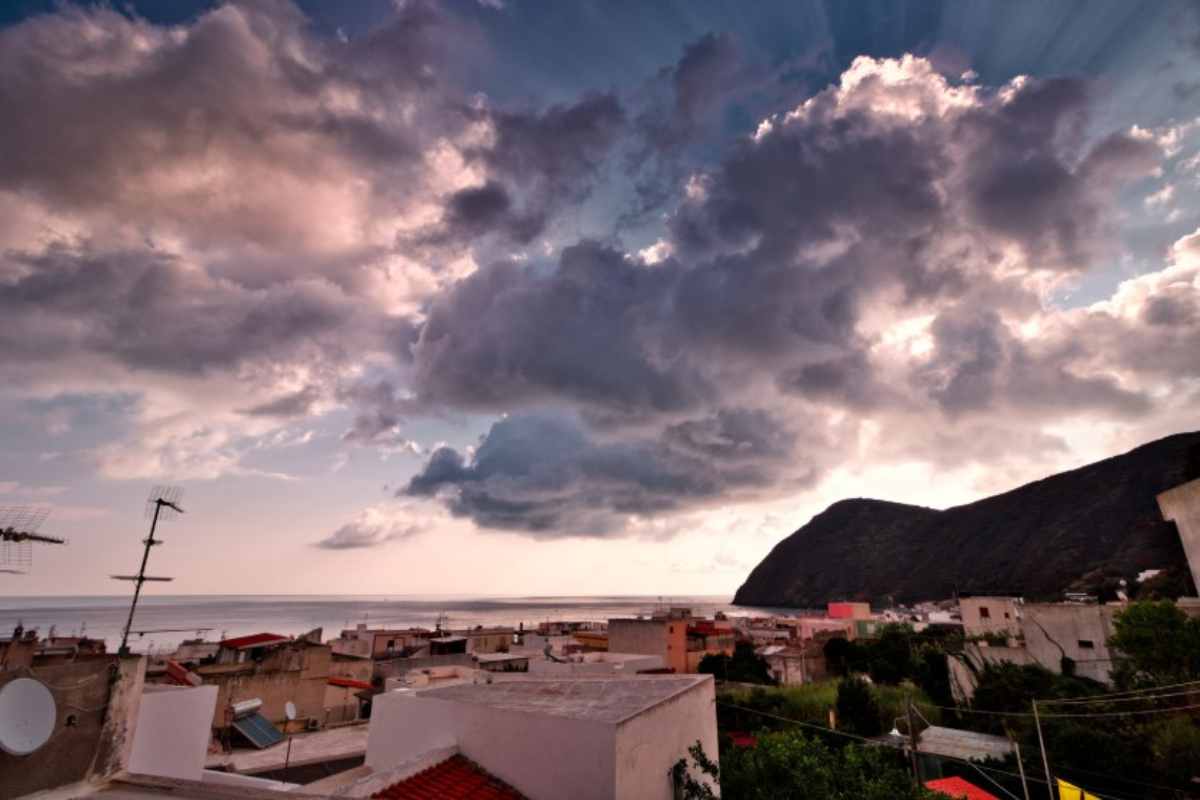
(849, 610)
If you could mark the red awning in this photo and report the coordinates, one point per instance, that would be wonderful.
(349, 683)
(253, 640)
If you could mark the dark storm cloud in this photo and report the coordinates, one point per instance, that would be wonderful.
(584, 332)
(781, 246)
(546, 475)
(979, 364)
(845, 381)
(382, 409)
(150, 311)
(204, 128)
(539, 163)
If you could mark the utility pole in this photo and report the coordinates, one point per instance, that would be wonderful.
(1021, 769)
(1037, 721)
(912, 738)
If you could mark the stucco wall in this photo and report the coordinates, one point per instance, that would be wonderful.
(303, 684)
(173, 731)
(962, 678)
(1003, 615)
(1047, 627)
(96, 701)
(648, 745)
(664, 638)
(1182, 505)
(545, 757)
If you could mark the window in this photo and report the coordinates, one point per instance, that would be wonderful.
(670, 629)
(1006, 615)
(1087, 644)
(984, 613)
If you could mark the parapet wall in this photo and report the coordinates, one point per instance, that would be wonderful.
(1182, 506)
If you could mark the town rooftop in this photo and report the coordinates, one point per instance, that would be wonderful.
(612, 700)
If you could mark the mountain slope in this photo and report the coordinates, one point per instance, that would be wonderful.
(1034, 540)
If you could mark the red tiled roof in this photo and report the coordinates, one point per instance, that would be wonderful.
(456, 778)
(349, 683)
(959, 788)
(253, 640)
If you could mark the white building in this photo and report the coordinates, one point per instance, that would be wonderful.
(548, 739)
(595, 665)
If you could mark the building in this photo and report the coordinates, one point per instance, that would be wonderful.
(665, 638)
(1181, 505)
(849, 610)
(1057, 636)
(348, 688)
(794, 665)
(502, 662)
(275, 670)
(707, 638)
(596, 665)
(990, 617)
(583, 739)
(591, 641)
(379, 642)
(1054, 632)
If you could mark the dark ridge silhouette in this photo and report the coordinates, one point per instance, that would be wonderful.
(1070, 530)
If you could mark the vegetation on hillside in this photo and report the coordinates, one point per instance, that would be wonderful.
(1120, 745)
(1086, 529)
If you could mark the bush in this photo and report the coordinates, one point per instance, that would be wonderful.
(857, 709)
(790, 765)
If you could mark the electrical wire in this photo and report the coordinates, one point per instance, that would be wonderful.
(1072, 700)
(1092, 714)
(877, 743)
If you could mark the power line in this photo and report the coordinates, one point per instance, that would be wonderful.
(878, 743)
(1099, 698)
(1087, 715)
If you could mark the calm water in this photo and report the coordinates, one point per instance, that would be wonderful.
(234, 615)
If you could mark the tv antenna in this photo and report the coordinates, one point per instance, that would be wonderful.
(18, 532)
(163, 504)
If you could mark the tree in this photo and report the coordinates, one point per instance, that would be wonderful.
(932, 674)
(744, 666)
(857, 708)
(890, 654)
(789, 765)
(1161, 644)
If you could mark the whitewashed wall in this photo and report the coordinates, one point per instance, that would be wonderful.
(174, 727)
(652, 742)
(545, 757)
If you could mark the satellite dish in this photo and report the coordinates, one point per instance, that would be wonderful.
(289, 710)
(27, 716)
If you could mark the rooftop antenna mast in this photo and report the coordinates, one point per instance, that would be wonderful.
(18, 530)
(163, 503)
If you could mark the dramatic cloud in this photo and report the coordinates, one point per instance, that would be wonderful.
(546, 475)
(253, 236)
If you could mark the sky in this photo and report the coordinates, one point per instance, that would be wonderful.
(532, 298)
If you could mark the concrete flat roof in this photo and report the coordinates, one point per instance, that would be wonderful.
(598, 699)
(331, 744)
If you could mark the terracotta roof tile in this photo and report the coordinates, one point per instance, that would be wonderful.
(456, 778)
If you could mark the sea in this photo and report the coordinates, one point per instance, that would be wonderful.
(163, 621)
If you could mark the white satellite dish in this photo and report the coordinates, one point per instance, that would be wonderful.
(289, 710)
(27, 716)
